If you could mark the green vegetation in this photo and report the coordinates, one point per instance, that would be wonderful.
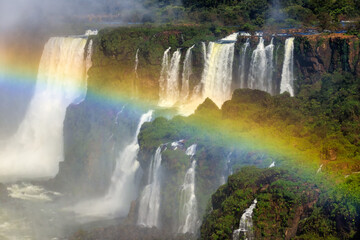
(319, 126)
(250, 14)
(115, 49)
(289, 207)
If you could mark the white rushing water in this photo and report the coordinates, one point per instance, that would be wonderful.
(150, 197)
(287, 76)
(204, 53)
(188, 212)
(187, 71)
(27, 191)
(169, 79)
(261, 67)
(242, 65)
(197, 91)
(36, 149)
(123, 188)
(246, 224)
(218, 70)
(319, 169)
(136, 63)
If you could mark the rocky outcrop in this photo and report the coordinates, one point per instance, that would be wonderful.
(319, 54)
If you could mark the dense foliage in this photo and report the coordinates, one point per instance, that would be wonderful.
(251, 14)
(319, 126)
(288, 207)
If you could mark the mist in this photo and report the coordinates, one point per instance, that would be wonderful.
(34, 13)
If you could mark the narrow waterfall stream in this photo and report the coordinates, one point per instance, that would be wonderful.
(246, 224)
(169, 79)
(261, 67)
(287, 76)
(242, 65)
(187, 71)
(150, 197)
(123, 187)
(188, 212)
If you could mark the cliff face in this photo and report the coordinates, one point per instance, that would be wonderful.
(88, 126)
(319, 54)
(116, 49)
(115, 53)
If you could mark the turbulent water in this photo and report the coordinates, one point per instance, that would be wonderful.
(27, 191)
(150, 197)
(123, 188)
(287, 76)
(188, 212)
(246, 224)
(61, 81)
(218, 71)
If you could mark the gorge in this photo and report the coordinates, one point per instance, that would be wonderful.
(153, 130)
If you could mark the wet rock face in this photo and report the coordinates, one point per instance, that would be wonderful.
(318, 54)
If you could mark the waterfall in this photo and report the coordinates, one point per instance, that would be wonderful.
(123, 187)
(261, 67)
(187, 71)
(203, 45)
(218, 71)
(198, 88)
(136, 63)
(287, 76)
(164, 75)
(246, 224)
(272, 165)
(36, 149)
(150, 197)
(319, 169)
(188, 216)
(88, 64)
(242, 66)
(169, 79)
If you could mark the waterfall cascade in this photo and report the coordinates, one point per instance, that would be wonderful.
(287, 76)
(203, 47)
(217, 76)
(36, 149)
(198, 88)
(218, 70)
(242, 65)
(169, 79)
(246, 224)
(187, 71)
(188, 216)
(123, 187)
(150, 197)
(261, 67)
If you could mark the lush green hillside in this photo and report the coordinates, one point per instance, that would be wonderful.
(251, 14)
(288, 207)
